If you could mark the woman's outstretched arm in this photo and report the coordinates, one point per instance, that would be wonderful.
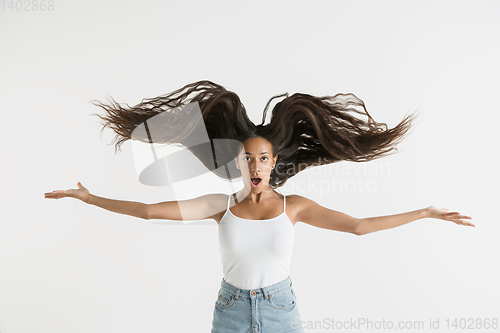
(372, 224)
(199, 208)
(316, 215)
(132, 208)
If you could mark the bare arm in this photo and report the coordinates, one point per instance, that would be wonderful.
(190, 210)
(137, 209)
(372, 224)
(314, 214)
(199, 208)
(132, 208)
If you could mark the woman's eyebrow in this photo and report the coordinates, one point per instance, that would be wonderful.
(264, 152)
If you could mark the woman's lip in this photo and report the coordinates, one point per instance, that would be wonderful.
(253, 185)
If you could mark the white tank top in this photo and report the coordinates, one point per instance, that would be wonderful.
(255, 253)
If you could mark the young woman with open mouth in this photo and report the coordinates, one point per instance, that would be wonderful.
(256, 224)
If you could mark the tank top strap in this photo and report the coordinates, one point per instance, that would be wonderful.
(284, 202)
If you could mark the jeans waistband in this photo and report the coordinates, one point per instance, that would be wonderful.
(263, 292)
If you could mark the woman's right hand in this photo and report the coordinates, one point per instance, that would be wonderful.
(81, 193)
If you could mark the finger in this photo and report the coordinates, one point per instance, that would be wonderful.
(56, 194)
(462, 217)
(50, 192)
(464, 223)
(453, 215)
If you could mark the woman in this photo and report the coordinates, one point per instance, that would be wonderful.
(256, 224)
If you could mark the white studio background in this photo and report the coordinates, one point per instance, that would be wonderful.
(70, 267)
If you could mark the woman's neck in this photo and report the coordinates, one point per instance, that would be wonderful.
(258, 197)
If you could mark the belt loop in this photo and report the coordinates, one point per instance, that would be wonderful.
(237, 293)
(264, 291)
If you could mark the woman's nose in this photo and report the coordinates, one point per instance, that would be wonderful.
(254, 166)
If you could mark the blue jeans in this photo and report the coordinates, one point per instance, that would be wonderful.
(271, 309)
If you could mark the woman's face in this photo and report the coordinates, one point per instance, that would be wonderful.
(256, 161)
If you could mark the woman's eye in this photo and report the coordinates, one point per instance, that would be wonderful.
(245, 158)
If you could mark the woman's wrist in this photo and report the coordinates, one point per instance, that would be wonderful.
(88, 199)
(425, 213)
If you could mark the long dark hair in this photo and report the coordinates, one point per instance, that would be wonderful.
(304, 130)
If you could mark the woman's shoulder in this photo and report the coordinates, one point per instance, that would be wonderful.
(296, 203)
(296, 199)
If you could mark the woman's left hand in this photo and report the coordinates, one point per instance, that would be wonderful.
(443, 214)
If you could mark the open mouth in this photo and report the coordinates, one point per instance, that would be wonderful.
(255, 181)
